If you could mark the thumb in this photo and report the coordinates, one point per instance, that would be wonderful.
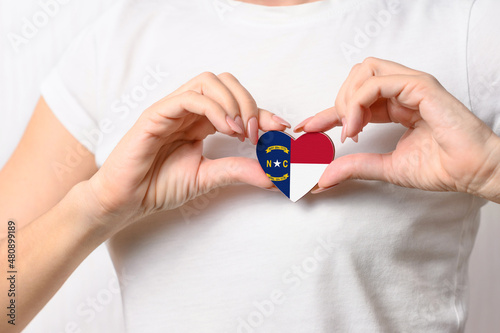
(356, 166)
(232, 170)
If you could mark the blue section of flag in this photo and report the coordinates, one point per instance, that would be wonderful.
(273, 152)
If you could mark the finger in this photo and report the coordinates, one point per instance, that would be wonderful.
(403, 89)
(360, 73)
(346, 90)
(320, 122)
(268, 121)
(381, 67)
(164, 116)
(371, 67)
(246, 104)
(199, 130)
(356, 166)
(332, 117)
(212, 86)
(232, 170)
(252, 118)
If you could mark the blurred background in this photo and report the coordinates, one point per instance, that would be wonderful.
(34, 33)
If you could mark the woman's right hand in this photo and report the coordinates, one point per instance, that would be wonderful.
(159, 165)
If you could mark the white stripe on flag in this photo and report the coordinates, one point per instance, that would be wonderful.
(303, 177)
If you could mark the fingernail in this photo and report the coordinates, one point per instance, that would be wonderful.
(239, 122)
(319, 190)
(234, 126)
(322, 189)
(272, 189)
(344, 131)
(301, 125)
(281, 121)
(241, 137)
(355, 138)
(253, 130)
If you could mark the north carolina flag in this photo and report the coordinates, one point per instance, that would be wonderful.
(294, 166)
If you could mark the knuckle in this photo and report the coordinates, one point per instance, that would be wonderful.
(370, 62)
(428, 79)
(187, 99)
(226, 75)
(207, 76)
(372, 65)
(356, 67)
(427, 83)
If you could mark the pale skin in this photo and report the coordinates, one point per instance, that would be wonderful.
(158, 165)
(446, 147)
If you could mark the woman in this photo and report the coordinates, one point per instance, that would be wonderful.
(366, 256)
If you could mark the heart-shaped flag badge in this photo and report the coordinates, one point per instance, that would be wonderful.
(294, 166)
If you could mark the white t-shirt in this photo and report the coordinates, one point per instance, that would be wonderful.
(364, 257)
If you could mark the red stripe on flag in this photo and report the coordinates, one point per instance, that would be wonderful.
(312, 148)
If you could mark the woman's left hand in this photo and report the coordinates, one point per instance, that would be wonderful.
(446, 147)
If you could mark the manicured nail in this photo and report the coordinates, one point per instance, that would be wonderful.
(319, 190)
(272, 189)
(253, 130)
(239, 122)
(300, 126)
(355, 138)
(234, 126)
(322, 189)
(344, 131)
(281, 121)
